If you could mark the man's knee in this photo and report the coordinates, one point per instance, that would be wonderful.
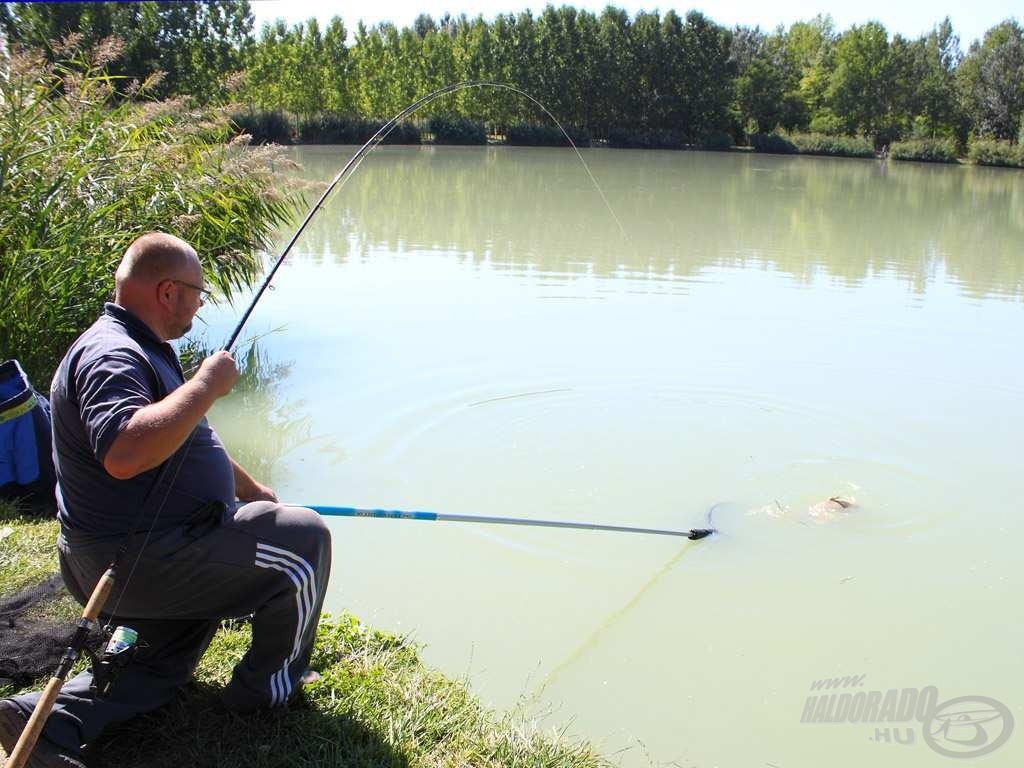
(314, 531)
(297, 529)
(307, 533)
(305, 518)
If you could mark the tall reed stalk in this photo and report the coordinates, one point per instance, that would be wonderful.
(87, 163)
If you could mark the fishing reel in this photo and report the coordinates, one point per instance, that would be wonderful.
(116, 656)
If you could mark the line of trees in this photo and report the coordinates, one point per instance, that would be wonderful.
(597, 72)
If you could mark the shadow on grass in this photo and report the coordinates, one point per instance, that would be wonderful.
(196, 730)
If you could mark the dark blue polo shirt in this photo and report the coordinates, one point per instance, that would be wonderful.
(116, 367)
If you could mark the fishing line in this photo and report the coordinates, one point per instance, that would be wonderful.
(518, 395)
(614, 617)
(149, 531)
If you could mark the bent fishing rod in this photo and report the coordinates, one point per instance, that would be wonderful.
(104, 587)
(376, 139)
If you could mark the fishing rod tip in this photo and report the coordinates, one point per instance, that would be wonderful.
(700, 533)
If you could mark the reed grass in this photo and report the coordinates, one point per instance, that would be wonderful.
(89, 162)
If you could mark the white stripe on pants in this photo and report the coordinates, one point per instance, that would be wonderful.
(301, 574)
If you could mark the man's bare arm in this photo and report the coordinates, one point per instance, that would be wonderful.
(156, 431)
(248, 489)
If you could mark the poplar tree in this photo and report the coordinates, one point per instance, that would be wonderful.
(992, 82)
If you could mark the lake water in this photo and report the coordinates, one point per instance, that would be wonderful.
(472, 330)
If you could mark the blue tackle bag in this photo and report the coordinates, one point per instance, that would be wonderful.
(26, 461)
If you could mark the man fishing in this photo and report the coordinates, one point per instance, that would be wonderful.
(209, 542)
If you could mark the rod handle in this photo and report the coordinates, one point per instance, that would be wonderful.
(27, 741)
(99, 595)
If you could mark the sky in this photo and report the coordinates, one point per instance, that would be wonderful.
(911, 18)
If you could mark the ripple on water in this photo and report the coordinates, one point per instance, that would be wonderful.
(615, 449)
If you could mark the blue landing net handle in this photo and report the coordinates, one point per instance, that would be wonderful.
(394, 514)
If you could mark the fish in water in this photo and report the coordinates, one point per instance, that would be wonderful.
(832, 508)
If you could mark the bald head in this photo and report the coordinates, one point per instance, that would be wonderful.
(157, 280)
(154, 256)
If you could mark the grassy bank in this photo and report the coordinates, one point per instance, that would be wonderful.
(377, 704)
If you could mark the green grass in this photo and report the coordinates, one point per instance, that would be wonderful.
(376, 705)
(28, 553)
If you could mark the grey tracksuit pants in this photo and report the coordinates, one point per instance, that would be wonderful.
(264, 559)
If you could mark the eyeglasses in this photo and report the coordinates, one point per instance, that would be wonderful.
(204, 294)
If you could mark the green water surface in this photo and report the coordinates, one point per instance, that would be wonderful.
(473, 330)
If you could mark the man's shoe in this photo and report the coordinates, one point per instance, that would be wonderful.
(235, 698)
(45, 754)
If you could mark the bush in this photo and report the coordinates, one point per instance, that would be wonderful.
(717, 141)
(86, 169)
(264, 127)
(925, 150)
(774, 143)
(999, 153)
(812, 144)
(622, 138)
(530, 135)
(448, 131)
(838, 146)
(403, 133)
(330, 128)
